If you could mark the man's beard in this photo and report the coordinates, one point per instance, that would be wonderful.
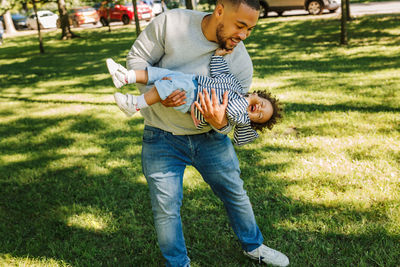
(221, 40)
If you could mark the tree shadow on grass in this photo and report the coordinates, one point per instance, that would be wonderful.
(65, 207)
(272, 41)
(76, 62)
(43, 192)
(320, 108)
(78, 216)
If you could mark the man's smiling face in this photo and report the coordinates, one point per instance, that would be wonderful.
(236, 25)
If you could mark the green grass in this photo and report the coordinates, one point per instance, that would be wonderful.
(324, 183)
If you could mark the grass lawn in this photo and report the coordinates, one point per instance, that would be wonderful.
(324, 183)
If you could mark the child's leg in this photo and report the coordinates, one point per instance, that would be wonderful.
(130, 104)
(151, 97)
(156, 74)
(121, 76)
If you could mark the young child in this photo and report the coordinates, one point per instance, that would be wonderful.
(246, 112)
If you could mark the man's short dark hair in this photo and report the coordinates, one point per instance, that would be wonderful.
(254, 4)
(276, 113)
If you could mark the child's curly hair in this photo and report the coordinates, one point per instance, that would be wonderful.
(276, 114)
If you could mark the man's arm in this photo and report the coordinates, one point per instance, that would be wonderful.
(241, 66)
(149, 46)
(147, 50)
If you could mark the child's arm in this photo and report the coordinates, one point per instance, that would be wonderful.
(243, 135)
(222, 52)
(218, 64)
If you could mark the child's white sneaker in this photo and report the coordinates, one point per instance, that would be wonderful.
(118, 73)
(126, 103)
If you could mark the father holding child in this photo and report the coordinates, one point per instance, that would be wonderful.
(185, 40)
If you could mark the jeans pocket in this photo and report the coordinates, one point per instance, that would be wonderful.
(216, 135)
(150, 136)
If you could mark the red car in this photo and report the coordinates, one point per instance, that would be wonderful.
(109, 12)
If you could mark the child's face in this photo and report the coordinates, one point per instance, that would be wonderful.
(260, 109)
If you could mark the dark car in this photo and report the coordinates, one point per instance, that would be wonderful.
(314, 7)
(18, 20)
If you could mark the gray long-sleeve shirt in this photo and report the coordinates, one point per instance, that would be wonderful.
(174, 40)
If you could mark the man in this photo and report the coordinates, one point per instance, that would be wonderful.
(184, 40)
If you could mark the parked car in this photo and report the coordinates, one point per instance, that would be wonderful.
(314, 7)
(47, 19)
(18, 20)
(117, 12)
(83, 15)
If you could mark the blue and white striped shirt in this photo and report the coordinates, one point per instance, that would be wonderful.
(222, 80)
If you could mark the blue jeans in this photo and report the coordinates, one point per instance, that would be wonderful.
(164, 159)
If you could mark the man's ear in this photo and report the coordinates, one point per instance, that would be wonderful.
(219, 10)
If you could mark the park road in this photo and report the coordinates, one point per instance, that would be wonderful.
(372, 8)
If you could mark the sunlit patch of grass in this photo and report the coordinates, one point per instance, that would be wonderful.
(87, 221)
(192, 179)
(9, 260)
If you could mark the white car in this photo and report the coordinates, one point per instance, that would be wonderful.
(314, 7)
(47, 19)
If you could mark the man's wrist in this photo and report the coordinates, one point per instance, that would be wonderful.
(224, 130)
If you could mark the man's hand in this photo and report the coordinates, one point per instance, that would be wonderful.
(213, 112)
(175, 99)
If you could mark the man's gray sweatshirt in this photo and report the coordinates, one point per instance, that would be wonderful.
(174, 40)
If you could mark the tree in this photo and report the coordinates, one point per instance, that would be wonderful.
(10, 28)
(41, 48)
(348, 10)
(189, 4)
(134, 3)
(66, 32)
(5, 11)
(343, 32)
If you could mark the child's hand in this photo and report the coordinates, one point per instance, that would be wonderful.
(223, 51)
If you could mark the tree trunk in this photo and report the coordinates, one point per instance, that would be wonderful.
(136, 17)
(109, 17)
(8, 23)
(41, 48)
(348, 10)
(189, 4)
(7, 20)
(66, 33)
(343, 32)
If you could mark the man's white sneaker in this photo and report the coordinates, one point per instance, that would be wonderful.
(126, 103)
(268, 255)
(118, 73)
